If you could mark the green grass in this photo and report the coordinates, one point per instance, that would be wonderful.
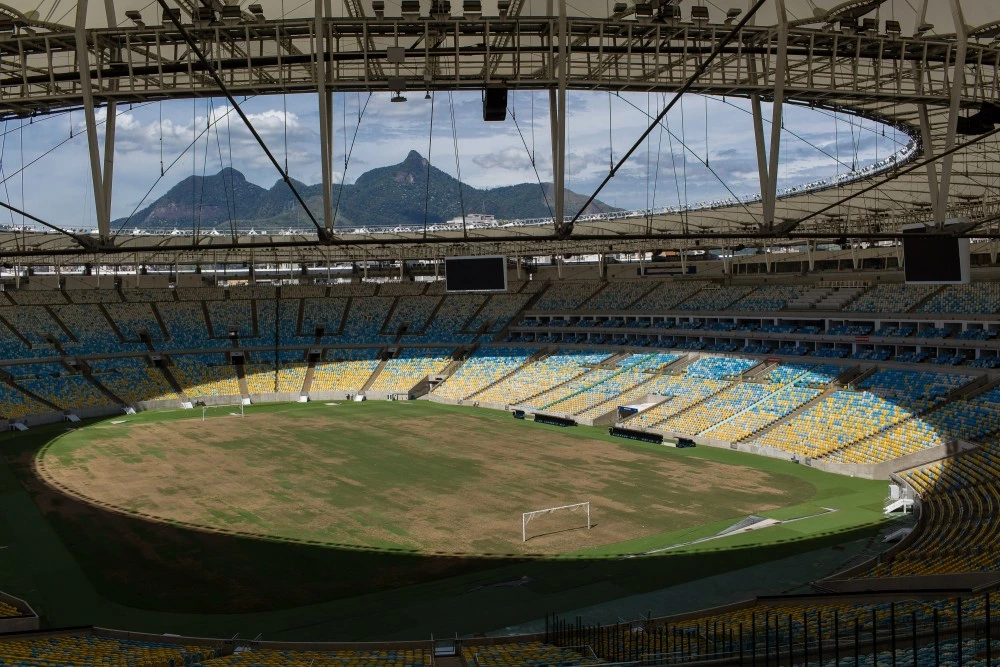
(80, 564)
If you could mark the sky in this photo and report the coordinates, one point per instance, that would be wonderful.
(44, 167)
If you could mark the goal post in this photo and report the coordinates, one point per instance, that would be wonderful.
(526, 517)
(231, 407)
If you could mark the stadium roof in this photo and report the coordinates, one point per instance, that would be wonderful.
(890, 60)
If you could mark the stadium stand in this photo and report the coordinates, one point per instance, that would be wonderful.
(205, 375)
(345, 370)
(406, 370)
(484, 367)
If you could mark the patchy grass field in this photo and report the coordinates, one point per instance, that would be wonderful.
(351, 477)
(404, 476)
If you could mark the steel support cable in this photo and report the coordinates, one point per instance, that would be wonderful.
(349, 152)
(458, 164)
(534, 166)
(566, 230)
(230, 202)
(210, 68)
(427, 178)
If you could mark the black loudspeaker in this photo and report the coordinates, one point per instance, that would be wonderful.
(495, 104)
(981, 122)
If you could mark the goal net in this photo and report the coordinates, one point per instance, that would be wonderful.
(581, 509)
(222, 410)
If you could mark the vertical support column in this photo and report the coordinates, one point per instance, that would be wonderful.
(325, 126)
(83, 65)
(110, 124)
(781, 66)
(957, 85)
(558, 119)
(928, 144)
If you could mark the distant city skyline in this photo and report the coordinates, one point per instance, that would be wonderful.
(55, 183)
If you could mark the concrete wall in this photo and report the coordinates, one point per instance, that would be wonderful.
(26, 623)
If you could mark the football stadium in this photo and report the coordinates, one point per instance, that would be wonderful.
(398, 420)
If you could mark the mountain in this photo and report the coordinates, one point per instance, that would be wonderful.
(386, 196)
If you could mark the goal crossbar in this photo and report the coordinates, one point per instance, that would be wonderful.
(526, 517)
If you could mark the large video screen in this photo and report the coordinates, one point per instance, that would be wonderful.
(935, 258)
(475, 274)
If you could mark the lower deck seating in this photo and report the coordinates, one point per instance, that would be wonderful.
(87, 650)
(142, 384)
(208, 375)
(411, 366)
(263, 657)
(484, 367)
(527, 654)
(345, 370)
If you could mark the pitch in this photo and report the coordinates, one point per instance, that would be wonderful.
(417, 477)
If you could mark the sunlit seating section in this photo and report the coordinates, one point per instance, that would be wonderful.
(484, 367)
(497, 312)
(784, 373)
(92, 331)
(540, 376)
(94, 296)
(345, 370)
(714, 297)
(364, 320)
(239, 292)
(186, 325)
(820, 376)
(34, 323)
(527, 654)
(890, 298)
(968, 420)
(290, 377)
(413, 311)
(229, 316)
(979, 298)
(326, 313)
(411, 366)
(760, 415)
(448, 323)
(39, 297)
(618, 295)
(149, 294)
(614, 386)
(682, 392)
(558, 394)
(886, 398)
(133, 318)
(261, 378)
(566, 295)
(718, 368)
(643, 385)
(667, 294)
(15, 404)
(202, 375)
(137, 384)
(67, 391)
(768, 298)
(723, 405)
(87, 650)
(401, 288)
(262, 657)
(201, 293)
(648, 362)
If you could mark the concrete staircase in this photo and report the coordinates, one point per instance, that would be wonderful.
(371, 378)
(839, 297)
(308, 379)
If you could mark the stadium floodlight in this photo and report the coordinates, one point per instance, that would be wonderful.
(526, 517)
